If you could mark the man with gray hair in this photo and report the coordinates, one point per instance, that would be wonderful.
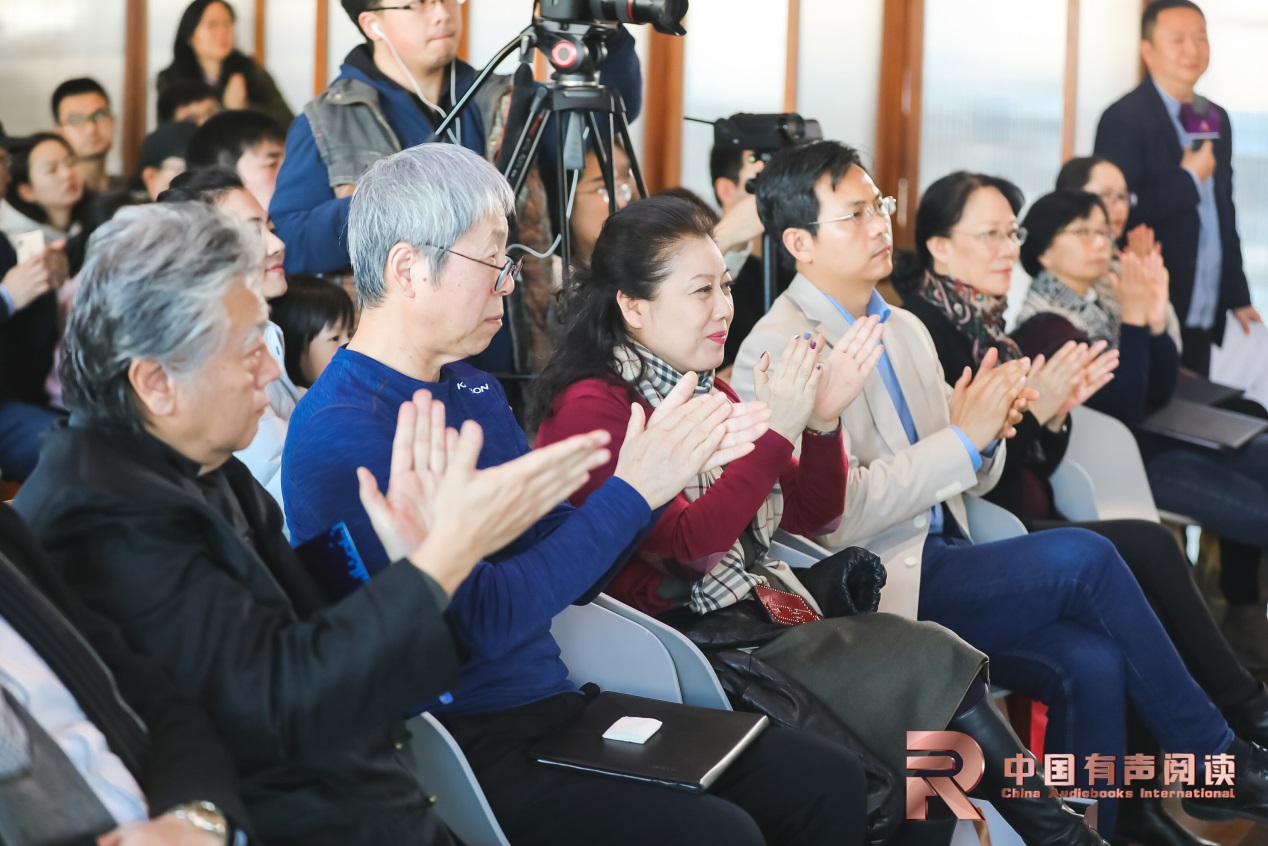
(427, 232)
(153, 522)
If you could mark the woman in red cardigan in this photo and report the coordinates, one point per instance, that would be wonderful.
(652, 309)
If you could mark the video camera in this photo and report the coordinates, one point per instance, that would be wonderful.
(764, 133)
(664, 15)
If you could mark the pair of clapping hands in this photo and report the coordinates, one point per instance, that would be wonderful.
(444, 515)
(988, 406)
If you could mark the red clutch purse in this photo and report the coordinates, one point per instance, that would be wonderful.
(787, 609)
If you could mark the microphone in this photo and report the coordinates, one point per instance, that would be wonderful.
(1201, 120)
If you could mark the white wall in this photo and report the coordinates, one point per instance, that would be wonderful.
(839, 69)
(43, 43)
(1109, 62)
(290, 38)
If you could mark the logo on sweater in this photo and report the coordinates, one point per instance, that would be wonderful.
(942, 776)
(479, 389)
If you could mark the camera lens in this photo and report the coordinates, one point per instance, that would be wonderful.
(663, 15)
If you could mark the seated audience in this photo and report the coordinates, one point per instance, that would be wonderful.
(316, 317)
(205, 51)
(44, 190)
(222, 188)
(162, 157)
(1074, 296)
(653, 306)
(1071, 628)
(956, 282)
(432, 275)
(248, 143)
(96, 740)
(81, 114)
(26, 291)
(152, 522)
(189, 100)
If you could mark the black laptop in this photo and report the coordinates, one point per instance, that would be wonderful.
(692, 748)
(1194, 388)
(1204, 426)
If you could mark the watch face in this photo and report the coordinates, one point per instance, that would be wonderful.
(205, 816)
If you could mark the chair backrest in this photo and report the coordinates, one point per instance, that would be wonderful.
(444, 772)
(1112, 484)
(696, 680)
(988, 522)
(616, 653)
(796, 551)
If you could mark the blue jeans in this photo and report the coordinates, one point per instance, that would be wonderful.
(1064, 621)
(21, 426)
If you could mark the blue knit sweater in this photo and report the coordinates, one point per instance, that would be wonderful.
(502, 612)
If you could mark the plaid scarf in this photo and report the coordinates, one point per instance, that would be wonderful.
(1097, 315)
(975, 314)
(731, 576)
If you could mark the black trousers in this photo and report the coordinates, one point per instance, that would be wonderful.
(789, 787)
(1163, 572)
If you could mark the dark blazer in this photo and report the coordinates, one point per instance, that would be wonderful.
(1033, 453)
(1137, 134)
(310, 697)
(175, 756)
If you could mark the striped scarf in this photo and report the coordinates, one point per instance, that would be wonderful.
(731, 576)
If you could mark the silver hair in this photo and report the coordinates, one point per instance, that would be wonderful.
(151, 288)
(427, 196)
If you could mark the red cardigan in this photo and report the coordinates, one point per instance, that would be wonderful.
(691, 536)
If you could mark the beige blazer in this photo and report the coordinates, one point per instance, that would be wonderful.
(892, 483)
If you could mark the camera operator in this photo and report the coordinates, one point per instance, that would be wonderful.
(391, 93)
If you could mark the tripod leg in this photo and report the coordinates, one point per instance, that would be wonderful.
(623, 126)
(607, 159)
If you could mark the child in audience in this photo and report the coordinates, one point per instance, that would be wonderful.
(653, 307)
(317, 318)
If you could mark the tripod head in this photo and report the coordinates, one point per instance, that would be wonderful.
(575, 51)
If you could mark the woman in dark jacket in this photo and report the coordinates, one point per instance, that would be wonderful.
(205, 51)
(956, 282)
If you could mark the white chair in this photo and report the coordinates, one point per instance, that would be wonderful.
(1102, 476)
(604, 642)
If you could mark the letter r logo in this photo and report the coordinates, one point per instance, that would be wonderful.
(944, 780)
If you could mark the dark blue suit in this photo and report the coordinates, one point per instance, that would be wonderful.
(1137, 134)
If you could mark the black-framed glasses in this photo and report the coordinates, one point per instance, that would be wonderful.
(95, 117)
(511, 268)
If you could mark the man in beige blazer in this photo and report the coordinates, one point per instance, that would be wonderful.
(898, 486)
(1060, 616)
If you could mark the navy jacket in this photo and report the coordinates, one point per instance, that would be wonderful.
(313, 223)
(1137, 134)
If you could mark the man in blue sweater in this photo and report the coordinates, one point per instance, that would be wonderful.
(432, 274)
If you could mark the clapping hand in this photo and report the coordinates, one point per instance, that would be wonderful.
(444, 514)
(987, 406)
(845, 371)
(790, 389)
(685, 435)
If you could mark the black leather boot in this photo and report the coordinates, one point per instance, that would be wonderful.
(1250, 787)
(1249, 720)
(1045, 821)
(1145, 822)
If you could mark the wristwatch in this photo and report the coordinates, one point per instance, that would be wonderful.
(205, 816)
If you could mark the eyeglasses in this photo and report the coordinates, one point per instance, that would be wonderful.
(417, 5)
(1112, 197)
(96, 117)
(624, 191)
(996, 239)
(1087, 233)
(884, 207)
(511, 268)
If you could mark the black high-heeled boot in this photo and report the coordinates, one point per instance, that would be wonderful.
(1046, 821)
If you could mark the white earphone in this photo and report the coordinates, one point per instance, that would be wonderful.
(454, 136)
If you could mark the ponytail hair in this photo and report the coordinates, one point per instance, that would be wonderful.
(633, 255)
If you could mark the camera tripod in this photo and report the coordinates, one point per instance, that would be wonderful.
(576, 102)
